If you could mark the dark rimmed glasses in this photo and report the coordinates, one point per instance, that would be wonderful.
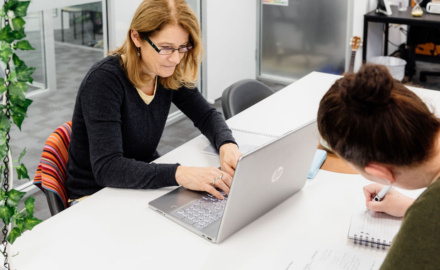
(168, 51)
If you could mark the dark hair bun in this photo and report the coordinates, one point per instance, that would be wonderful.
(369, 88)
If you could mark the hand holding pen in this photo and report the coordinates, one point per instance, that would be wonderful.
(388, 201)
(382, 193)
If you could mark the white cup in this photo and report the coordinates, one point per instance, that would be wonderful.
(403, 5)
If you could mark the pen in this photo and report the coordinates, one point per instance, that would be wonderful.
(382, 193)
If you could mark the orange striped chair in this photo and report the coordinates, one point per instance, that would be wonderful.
(51, 172)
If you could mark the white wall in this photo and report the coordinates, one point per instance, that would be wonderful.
(375, 31)
(375, 44)
(120, 15)
(230, 35)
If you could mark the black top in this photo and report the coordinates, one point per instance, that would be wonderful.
(115, 133)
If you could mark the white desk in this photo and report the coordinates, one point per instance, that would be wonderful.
(115, 229)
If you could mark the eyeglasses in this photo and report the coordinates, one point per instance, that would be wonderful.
(168, 51)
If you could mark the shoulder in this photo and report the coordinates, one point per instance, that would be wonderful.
(109, 64)
(418, 240)
(428, 202)
(107, 74)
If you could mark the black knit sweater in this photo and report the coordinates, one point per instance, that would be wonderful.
(115, 133)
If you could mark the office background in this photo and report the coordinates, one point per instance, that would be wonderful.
(61, 65)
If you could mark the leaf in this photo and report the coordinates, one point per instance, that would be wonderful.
(17, 92)
(18, 111)
(17, 23)
(19, 34)
(14, 197)
(22, 155)
(30, 222)
(29, 204)
(2, 86)
(24, 45)
(22, 172)
(13, 235)
(21, 8)
(19, 221)
(3, 148)
(6, 213)
(11, 77)
(24, 73)
(7, 34)
(5, 54)
(17, 61)
(5, 123)
(10, 5)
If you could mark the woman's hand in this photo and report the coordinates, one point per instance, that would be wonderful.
(204, 179)
(229, 155)
(394, 203)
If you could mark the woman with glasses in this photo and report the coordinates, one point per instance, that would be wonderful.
(123, 103)
(388, 135)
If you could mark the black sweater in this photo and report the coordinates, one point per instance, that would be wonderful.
(115, 133)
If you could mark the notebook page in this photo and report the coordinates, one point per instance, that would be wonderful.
(368, 227)
(378, 227)
(333, 258)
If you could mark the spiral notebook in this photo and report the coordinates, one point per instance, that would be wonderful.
(371, 229)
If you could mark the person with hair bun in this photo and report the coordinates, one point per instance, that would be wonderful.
(123, 104)
(387, 133)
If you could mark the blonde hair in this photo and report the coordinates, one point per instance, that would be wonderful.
(150, 17)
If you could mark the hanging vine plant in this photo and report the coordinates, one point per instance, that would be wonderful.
(13, 87)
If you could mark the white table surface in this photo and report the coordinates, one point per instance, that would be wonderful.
(115, 228)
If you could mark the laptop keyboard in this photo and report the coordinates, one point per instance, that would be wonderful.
(202, 212)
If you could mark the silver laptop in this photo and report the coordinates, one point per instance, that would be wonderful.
(264, 177)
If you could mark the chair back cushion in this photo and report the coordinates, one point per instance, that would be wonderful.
(51, 171)
(243, 94)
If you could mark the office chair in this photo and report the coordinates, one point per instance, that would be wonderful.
(51, 172)
(243, 94)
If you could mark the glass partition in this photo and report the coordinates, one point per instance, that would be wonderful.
(304, 36)
(35, 58)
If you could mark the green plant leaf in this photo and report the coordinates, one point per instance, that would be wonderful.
(12, 76)
(2, 86)
(18, 112)
(3, 148)
(5, 123)
(22, 154)
(24, 73)
(29, 204)
(6, 53)
(7, 34)
(19, 221)
(13, 235)
(17, 92)
(14, 197)
(21, 8)
(24, 45)
(17, 23)
(6, 213)
(19, 34)
(22, 172)
(10, 5)
(30, 222)
(17, 61)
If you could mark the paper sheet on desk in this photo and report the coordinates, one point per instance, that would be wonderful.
(247, 141)
(333, 258)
